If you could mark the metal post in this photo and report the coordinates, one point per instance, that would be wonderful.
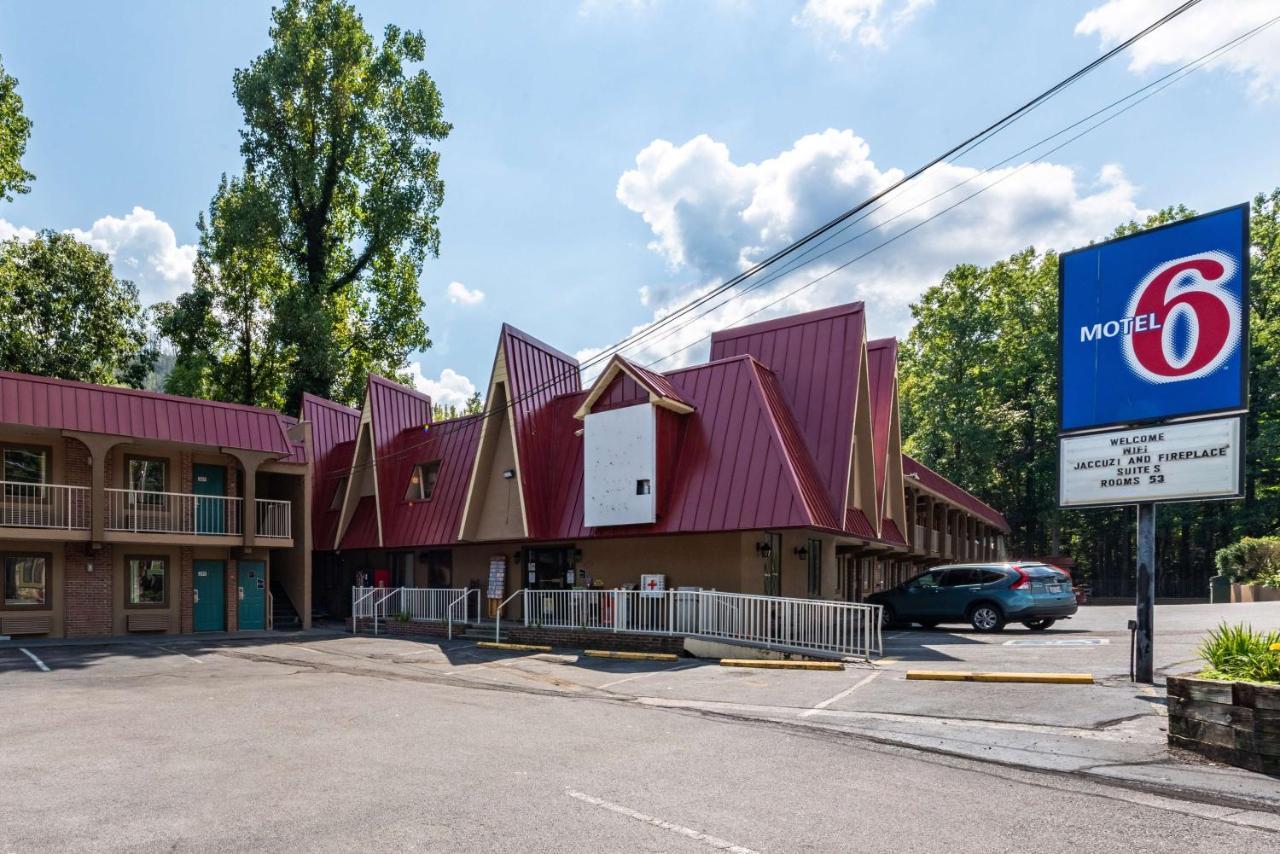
(1144, 669)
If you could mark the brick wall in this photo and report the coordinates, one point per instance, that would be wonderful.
(413, 628)
(76, 470)
(87, 596)
(186, 575)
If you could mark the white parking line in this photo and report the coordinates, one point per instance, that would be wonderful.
(31, 655)
(177, 652)
(651, 673)
(687, 832)
(838, 697)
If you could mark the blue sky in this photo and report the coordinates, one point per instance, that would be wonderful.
(610, 159)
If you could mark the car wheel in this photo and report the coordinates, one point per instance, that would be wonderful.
(985, 617)
(1040, 625)
(928, 624)
(888, 617)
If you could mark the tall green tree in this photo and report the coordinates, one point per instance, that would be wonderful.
(339, 134)
(15, 130)
(63, 313)
(225, 329)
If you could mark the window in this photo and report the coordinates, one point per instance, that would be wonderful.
(147, 475)
(928, 580)
(26, 580)
(643, 487)
(423, 481)
(813, 553)
(24, 469)
(146, 581)
(961, 577)
(990, 576)
(339, 494)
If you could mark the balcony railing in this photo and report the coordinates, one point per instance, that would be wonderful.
(275, 518)
(44, 505)
(144, 512)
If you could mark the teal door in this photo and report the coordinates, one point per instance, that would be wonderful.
(211, 512)
(252, 582)
(209, 599)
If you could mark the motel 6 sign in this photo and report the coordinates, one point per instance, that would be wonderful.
(1153, 325)
(1153, 333)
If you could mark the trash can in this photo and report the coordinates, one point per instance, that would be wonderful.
(1219, 588)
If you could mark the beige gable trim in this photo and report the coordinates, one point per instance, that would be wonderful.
(364, 470)
(862, 474)
(486, 447)
(611, 371)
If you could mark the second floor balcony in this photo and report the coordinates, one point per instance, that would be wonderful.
(139, 512)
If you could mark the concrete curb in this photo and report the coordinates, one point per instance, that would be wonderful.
(515, 647)
(968, 676)
(767, 664)
(631, 656)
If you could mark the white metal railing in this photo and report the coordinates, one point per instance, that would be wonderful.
(843, 628)
(44, 505)
(275, 518)
(447, 605)
(140, 511)
(919, 542)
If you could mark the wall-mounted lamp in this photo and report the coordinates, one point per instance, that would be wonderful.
(764, 550)
(802, 552)
(508, 473)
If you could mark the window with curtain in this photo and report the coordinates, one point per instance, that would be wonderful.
(24, 470)
(148, 476)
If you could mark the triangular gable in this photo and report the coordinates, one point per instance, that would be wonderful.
(362, 479)
(882, 356)
(332, 441)
(818, 359)
(657, 388)
(394, 411)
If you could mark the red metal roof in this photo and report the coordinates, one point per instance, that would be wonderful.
(766, 446)
(653, 382)
(936, 483)
(32, 401)
(816, 358)
(882, 362)
(333, 433)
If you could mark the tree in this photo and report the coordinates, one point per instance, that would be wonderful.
(225, 329)
(15, 129)
(474, 405)
(63, 313)
(338, 135)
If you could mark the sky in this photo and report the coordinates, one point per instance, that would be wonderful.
(612, 159)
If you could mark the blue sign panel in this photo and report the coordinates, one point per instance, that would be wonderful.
(1154, 325)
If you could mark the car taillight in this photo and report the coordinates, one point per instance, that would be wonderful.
(1024, 580)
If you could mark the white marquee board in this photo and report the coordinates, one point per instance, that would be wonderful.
(1168, 462)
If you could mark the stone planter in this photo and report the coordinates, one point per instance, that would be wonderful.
(1233, 722)
(1254, 593)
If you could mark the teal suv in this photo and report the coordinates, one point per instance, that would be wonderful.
(985, 595)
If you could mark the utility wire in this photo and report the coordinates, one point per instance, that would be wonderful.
(967, 145)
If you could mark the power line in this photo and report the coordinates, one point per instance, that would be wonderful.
(967, 145)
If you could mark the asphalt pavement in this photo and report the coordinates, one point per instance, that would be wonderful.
(327, 743)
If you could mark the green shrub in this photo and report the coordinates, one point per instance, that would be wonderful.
(1251, 559)
(1238, 653)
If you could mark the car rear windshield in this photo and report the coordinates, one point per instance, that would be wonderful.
(1040, 570)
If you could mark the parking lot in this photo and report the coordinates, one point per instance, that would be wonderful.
(329, 742)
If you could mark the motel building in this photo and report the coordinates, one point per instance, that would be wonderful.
(773, 469)
(128, 511)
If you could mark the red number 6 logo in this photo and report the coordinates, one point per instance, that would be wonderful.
(1189, 292)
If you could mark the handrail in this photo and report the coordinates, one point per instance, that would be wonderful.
(497, 617)
(465, 597)
(355, 614)
(393, 591)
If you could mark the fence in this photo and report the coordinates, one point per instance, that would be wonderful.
(448, 605)
(275, 518)
(843, 628)
(43, 505)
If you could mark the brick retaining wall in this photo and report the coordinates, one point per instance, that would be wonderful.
(580, 639)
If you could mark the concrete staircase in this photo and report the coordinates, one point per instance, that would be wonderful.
(284, 617)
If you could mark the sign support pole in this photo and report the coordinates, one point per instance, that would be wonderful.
(1144, 670)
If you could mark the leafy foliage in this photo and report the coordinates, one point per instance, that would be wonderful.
(1249, 559)
(979, 403)
(1239, 653)
(63, 313)
(443, 412)
(15, 130)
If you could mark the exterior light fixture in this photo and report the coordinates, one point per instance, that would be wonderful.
(508, 473)
(764, 550)
(577, 555)
(802, 552)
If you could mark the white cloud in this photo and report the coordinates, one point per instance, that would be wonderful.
(450, 389)
(9, 231)
(145, 250)
(713, 217)
(460, 293)
(1193, 34)
(866, 21)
